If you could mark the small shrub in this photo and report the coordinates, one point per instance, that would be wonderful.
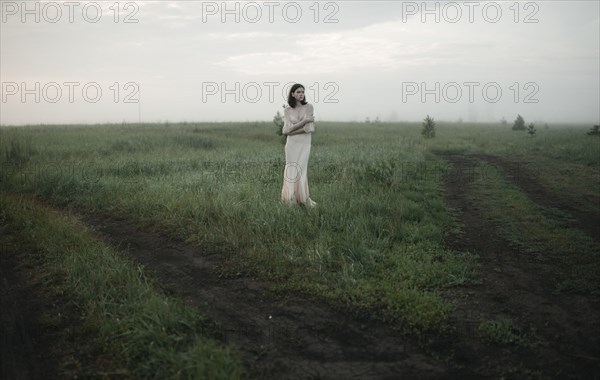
(531, 129)
(279, 122)
(595, 131)
(519, 124)
(428, 130)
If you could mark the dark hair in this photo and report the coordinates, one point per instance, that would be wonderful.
(291, 100)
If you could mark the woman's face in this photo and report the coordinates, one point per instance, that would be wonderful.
(299, 94)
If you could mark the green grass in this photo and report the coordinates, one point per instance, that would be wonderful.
(142, 332)
(503, 331)
(374, 242)
(538, 234)
(563, 157)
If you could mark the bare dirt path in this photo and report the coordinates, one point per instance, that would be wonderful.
(20, 331)
(525, 177)
(40, 329)
(279, 338)
(298, 338)
(568, 326)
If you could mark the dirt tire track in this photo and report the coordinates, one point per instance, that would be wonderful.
(526, 179)
(568, 325)
(39, 326)
(306, 339)
(21, 347)
(303, 339)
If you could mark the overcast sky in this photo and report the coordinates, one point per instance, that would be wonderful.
(357, 59)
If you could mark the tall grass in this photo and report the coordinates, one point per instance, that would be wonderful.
(139, 328)
(539, 235)
(373, 242)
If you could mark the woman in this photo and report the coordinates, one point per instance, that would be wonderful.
(298, 126)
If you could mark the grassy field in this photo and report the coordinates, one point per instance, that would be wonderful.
(128, 322)
(537, 233)
(375, 241)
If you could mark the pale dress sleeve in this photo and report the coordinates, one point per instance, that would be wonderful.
(309, 127)
(287, 122)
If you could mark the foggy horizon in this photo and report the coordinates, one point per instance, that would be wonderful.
(191, 62)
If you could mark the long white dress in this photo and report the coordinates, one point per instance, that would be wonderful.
(297, 152)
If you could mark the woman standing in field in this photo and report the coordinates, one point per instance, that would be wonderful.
(298, 126)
